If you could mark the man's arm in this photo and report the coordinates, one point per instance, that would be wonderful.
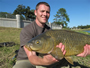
(46, 60)
(86, 51)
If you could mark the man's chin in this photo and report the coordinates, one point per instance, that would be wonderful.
(44, 22)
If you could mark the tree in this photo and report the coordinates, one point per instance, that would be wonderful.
(84, 27)
(61, 17)
(6, 15)
(24, 11)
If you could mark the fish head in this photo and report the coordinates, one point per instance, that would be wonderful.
(35, 44)
(38, 43)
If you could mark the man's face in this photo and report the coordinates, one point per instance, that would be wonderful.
(42, 13)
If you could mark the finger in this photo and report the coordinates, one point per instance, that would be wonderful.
(89, 46)
(86, 45)
(63, 47)
(81, 55)
(85, 50)
(57, 45)
(55, 60)
(25, 48)
(60, 45)
(64, 52)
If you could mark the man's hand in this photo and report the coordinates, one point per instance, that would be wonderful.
(86, 51)
(48, 59)
(62, 47)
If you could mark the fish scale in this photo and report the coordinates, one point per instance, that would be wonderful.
(70, 39)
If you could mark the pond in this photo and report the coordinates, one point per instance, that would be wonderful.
(88, 31)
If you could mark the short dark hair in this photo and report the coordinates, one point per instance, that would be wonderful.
(45, 3)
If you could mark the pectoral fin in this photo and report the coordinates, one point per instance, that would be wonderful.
(57, 53)
(69, 59)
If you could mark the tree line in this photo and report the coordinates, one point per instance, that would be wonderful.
(24, 12)
(6, 15)
(84, 27)
(61, 17)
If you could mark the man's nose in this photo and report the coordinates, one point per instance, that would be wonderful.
(45, 13)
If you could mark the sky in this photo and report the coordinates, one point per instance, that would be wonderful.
(77, 10)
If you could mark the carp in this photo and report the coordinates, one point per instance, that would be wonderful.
(46, 42)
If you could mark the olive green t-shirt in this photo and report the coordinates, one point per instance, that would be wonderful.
(27, 33)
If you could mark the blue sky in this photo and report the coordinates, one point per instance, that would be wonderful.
(78, 10)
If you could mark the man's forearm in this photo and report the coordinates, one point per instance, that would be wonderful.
(35, 60)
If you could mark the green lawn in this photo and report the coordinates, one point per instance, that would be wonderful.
(12, 35)
(7, 53)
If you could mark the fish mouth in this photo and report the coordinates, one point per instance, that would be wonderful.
(31, 48)
(28, 48)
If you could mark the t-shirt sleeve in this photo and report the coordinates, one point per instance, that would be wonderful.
(25, 36)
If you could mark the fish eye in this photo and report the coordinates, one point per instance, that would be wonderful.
(37, 42)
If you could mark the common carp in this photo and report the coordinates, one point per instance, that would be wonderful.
(46, 42)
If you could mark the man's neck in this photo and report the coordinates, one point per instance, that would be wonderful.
(40, 24)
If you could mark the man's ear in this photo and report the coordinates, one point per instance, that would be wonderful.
(35, 12)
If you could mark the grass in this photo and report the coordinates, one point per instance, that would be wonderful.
(7, 53)
(9, 34)
(12, 35)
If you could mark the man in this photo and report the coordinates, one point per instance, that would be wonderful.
(28, 59)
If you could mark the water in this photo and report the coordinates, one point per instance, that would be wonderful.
(88, 31)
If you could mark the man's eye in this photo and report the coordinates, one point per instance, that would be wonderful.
(48, 12)
(42, 11)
